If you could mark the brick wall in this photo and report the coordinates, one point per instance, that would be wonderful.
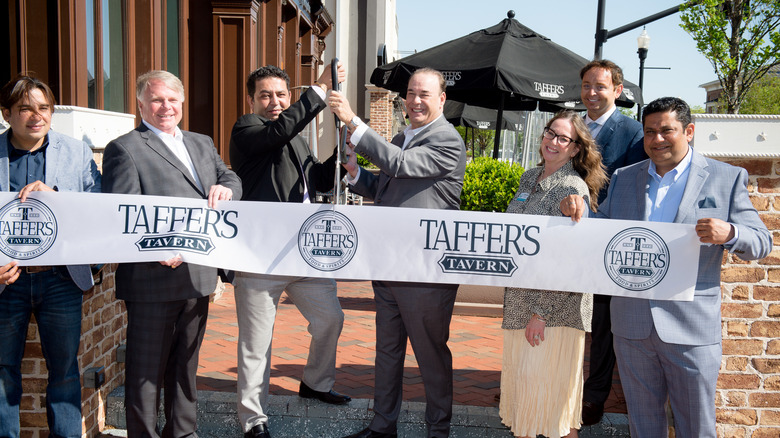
(381, 111)
(748, 395)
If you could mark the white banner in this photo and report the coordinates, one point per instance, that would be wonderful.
(624, 258)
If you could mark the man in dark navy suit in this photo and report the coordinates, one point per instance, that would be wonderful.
(620, 140)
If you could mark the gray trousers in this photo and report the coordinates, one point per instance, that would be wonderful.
(421, 313)
(652, 370)
(257, 298)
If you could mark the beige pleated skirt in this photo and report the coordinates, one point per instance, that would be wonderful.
(541, 387)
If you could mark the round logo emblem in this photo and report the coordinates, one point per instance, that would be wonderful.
(327, 240)
(27, 229)
(636, 259)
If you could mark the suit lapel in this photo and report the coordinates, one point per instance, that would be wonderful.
(697, 176)
(609, 128)
(641, 189)
(199, 161)
(156, 144)
(52, 158)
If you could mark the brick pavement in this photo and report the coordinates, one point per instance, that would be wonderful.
(475, 342)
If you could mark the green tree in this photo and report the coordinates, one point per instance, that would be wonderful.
(741, 39)
(763, 97)
(482, 140)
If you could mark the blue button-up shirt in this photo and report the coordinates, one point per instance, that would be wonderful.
(664, 193)
(25, 167)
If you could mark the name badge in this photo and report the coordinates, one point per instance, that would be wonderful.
(522, 197)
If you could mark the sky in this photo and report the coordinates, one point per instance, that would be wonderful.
(423, 24)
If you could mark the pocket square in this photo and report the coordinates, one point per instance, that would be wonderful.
(707, 202)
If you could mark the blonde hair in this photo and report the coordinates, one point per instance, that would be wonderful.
(169, 79)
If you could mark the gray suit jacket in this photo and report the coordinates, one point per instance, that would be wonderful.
(69, 168)
(427, 174)
(140, 163)
(620, 143)
(714, 190)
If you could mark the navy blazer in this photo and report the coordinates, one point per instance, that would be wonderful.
(621, 144)
(714, 190)
(69, 168)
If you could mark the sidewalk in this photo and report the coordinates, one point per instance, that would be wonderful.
(475, 342)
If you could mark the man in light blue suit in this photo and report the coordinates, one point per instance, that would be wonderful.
(672, 349)
(35, 158)
(619, 138)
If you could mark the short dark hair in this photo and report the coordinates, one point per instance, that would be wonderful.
(667, 105)
(20, 87)
(269, 71)
(606, 64)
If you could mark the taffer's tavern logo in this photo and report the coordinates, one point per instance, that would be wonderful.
(327, 240)
(165, 227)
(636, 259)
(27, 229)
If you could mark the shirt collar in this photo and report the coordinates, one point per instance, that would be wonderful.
(678, 170)
(409, 132)
(604, 117)
(20, 152)
(176, 135)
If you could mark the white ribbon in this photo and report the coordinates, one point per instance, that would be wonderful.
(623, 258)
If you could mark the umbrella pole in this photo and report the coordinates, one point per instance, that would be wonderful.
(499, 120)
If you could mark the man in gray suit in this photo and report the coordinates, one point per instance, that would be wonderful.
(35, 158)
(422, 167)
(673, 348)
(276, 164)
(619, 138)
(167, 302)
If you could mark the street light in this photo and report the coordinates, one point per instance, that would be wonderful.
(643, 42)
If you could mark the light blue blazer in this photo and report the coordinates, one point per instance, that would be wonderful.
(714, 190)
(69, 168)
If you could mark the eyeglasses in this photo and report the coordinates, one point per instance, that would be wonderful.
(563, 140)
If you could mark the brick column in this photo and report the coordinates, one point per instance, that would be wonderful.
(381, 111)
(748, 394)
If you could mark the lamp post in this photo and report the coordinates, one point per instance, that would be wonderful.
(643, 42)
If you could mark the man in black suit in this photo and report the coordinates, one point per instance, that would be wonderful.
(276, 165)
(620, 141)
(167, 302)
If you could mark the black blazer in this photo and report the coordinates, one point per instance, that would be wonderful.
(270, 156)
(140, 163)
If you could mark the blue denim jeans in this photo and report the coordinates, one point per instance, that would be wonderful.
(56, 303)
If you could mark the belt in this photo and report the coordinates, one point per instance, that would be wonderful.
(37, 269)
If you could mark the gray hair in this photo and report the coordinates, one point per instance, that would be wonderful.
(169, 79)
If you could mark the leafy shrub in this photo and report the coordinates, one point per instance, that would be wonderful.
(489, 184)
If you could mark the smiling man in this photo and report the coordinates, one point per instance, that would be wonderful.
(167, 302)
(276, 165)
(619, 138)
(422, 167)
(672, 349)
(33, 157)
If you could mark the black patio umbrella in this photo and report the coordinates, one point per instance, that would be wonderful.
(505, 67)
(471, 116)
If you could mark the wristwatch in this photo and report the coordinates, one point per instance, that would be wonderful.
(354, 123)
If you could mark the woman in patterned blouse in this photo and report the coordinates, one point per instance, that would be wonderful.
(544, 331)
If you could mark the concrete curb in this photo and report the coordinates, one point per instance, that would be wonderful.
(293, 417)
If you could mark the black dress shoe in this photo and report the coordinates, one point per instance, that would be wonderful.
(591, 413)
(331, 396)
(258, 431)
(368, 433)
